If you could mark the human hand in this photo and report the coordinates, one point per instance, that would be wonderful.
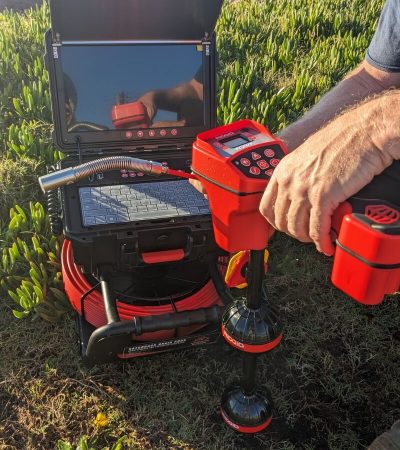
(328, 168)
(197, 184)
(149, 103)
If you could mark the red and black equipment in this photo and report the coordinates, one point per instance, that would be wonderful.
(234, 163)
(120, 275)
(249, 325)
(366, 264)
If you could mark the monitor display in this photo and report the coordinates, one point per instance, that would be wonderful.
(234, 142)
(117, 87)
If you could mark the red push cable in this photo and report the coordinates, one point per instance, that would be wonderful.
(181, 174)
(76, 284)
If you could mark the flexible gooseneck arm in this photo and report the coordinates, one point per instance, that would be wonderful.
(72, 174)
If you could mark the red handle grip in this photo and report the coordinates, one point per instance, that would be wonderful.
(163, 256)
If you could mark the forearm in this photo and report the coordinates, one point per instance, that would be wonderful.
(387, 137)
(370, 130)
(170, 99)
(359, 84)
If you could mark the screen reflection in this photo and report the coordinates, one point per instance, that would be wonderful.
(132, 86)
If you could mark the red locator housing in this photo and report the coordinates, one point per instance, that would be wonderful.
(367, 258)
(130, 115)
(235, 163)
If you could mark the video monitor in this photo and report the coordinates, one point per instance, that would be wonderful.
(131, 87)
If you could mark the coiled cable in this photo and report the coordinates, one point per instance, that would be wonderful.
(53, 208)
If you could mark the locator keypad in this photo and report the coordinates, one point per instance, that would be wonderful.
(259, 162)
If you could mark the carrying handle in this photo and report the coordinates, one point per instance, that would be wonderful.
(161, 256)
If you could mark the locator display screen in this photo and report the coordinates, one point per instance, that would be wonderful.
(235, 141)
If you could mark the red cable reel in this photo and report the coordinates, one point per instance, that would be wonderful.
(76, 285)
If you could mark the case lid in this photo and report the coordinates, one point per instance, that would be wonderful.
(120, 77)
(119, 20)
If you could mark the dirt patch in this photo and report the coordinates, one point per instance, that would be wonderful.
(18, 4)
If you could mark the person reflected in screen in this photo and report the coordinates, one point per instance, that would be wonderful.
(186, 99)
(71, 98)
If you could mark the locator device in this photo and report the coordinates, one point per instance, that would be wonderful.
(235, 163)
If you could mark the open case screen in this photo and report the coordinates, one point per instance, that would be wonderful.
(120, 87)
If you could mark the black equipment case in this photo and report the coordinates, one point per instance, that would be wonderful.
(98, 48)
(105, 60)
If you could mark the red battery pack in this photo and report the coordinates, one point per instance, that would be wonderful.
(367, 258)
(130, 115)
(234, 163)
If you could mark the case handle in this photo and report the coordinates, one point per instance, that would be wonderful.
(163, 256)
(171, 255)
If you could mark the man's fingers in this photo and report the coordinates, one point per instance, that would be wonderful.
(267, 204)
(298, 220)
(197, 184)
(320, 226)
(281, 208)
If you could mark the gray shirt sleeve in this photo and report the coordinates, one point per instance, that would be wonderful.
(384, 50)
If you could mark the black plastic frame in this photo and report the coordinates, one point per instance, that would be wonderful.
(104, 344)
(120, 245)
(97, 247)
(79, 20)
(91, 141)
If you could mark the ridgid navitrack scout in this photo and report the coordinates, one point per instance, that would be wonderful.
(133, 100)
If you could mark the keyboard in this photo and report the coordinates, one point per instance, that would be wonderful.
(140, 201)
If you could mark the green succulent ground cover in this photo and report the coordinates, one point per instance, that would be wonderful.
(334, 379)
